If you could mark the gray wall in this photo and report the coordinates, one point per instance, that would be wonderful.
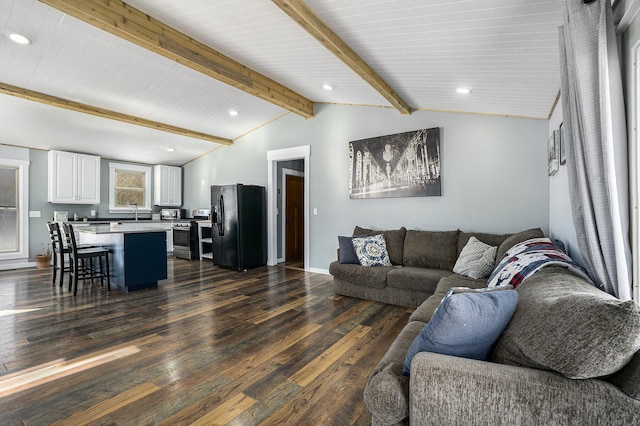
(38, 178)
(494, 172)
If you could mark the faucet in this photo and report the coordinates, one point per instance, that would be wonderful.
(135, 211)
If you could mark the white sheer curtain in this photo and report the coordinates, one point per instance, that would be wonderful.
(595, 133)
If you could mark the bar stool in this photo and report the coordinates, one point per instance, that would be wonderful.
(78, 259)
(60, 249)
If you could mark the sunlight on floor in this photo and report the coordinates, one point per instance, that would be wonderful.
(45, 373)
(5, 312)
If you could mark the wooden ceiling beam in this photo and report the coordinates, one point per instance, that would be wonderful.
(315, 26)
(131, 24)
(105, 113)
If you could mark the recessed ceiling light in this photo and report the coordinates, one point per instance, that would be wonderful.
(170, 149)
(327, 87)
(233, 112)
(463, 90)
(19, 38)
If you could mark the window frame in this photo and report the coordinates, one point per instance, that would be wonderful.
(147, 170)
(23, 209)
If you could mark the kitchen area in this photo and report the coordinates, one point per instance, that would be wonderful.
(88, 191)
(139, 247)
(136, 210)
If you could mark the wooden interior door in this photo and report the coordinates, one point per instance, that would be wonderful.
(294, 219)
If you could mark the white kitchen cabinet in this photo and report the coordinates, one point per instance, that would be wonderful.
(73, 178)
(167, 186)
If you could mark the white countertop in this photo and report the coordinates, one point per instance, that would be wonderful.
(126, 228)
(115, 219)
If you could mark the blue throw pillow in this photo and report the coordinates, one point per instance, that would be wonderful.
(465, 325)
(347, 253)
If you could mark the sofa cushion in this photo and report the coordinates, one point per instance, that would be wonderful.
(628, 379)
(425, 311)
(375, 277)
(476, 260)
(416, 279)
(565, 324)
(393, 238)
(371, 250)
(465, 325)
(491, 239)
(346, 253)
(431, 249)
(387, 392)
(515, 239)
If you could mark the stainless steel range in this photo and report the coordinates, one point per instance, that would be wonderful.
(185, 235)
(182, 247)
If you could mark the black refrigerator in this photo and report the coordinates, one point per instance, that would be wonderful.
(239, 226)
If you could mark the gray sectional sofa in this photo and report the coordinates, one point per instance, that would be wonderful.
(419, 258)
(569, 355)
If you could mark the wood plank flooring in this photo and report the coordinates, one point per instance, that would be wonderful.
(270, 346)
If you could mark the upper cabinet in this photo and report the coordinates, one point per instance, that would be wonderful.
(73, 178)
(167, 182)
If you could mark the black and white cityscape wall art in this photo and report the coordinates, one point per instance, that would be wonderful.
(399, 165)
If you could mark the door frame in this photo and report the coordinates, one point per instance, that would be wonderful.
(283, 206)
(295, 153)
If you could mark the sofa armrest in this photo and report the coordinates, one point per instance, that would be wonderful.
(451, 390)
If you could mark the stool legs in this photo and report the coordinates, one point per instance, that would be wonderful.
(89, 270)
(106, 257)
(55, 269)
(61, 267)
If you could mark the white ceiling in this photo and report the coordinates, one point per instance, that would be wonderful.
(505, 50)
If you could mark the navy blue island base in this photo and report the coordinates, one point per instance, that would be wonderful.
(138, 253)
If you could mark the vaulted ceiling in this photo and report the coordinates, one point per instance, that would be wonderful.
(170, 72)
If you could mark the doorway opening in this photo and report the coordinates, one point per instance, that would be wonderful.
(288, 165)
(291, 213)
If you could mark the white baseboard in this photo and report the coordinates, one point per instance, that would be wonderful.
(319, 271)
(21, 265)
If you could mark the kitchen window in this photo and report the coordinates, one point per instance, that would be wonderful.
(13, 209)
(129, 186)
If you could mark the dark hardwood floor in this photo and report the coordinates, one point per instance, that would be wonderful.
(270, 346)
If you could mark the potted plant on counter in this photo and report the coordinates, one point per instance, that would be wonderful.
(43, 259)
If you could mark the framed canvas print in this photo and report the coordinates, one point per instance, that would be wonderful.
(561, 143)
(553, 153)
(399, 165)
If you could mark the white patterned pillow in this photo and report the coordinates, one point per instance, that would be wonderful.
(476, 259)
(372, 250)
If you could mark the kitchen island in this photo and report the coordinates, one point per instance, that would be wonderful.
(138, 252)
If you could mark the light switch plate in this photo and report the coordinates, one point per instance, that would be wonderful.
(34, 213)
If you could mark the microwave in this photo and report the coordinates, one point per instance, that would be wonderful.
(171, 214)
